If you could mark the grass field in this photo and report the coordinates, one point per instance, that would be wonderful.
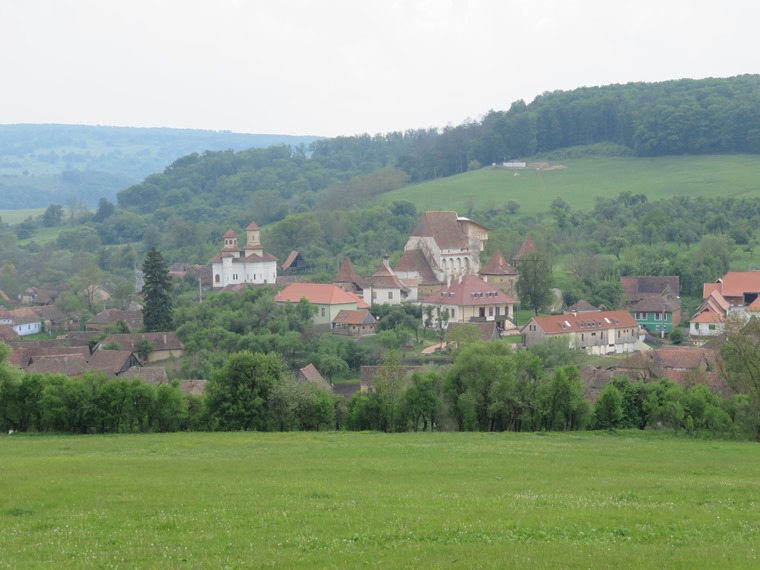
(590, 500)
(581, 181)
(17, 216)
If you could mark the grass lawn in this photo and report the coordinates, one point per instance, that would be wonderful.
(582, 180)
(309, 500)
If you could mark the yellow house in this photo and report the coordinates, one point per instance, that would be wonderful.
(472, 300)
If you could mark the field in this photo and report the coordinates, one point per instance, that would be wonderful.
(17, 216)
(364, 499)
(581, 181)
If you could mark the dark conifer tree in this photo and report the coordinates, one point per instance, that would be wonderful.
(157, 313)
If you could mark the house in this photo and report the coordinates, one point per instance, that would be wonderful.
(637, 288)
(166, 345)
(500, 274)
(654, 301)
(716, 303)
(354, 323)
(385, 287)
(739, 288)
(96, 294)
(68, 365)
(602, 333)
(24, 321)
(38, 296)
(707, 323)
(328, 299)
(294, 264)
(309, 373)
(683, 365)
(233, 265)
(24, 354)
(109, 317)
(112, 362)
(470, 299)
(54, 319)
(658, 314)
(443, 246)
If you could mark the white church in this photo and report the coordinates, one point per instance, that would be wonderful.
(234, 266)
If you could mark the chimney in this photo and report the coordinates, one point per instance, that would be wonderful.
(164, 339)
(448, 281)
(386, 262)
(460, 278)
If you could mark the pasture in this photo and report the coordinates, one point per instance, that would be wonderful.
(233, 500)
(582, 180)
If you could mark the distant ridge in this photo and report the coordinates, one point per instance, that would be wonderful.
(42, 164)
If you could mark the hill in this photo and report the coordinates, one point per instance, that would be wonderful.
(580, 182)
(44, 164)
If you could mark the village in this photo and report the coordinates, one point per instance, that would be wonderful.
(439, 271)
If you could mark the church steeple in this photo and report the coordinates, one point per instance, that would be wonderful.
(253, 240)
(231, 244)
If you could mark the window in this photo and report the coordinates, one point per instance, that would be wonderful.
(390, 294)
(490, 311)
(658, 317)
(453, 313)
(217, 279)
(322, 311)
(498, 311)
(711, 327)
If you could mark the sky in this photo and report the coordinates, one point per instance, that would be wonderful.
(345, 67)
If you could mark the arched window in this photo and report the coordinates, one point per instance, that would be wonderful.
(217, 279)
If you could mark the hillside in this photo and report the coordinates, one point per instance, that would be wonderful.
(580, 182)
(44, 164)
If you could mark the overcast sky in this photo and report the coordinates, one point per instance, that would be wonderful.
(343, 67)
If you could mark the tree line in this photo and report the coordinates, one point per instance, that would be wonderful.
(488, 387)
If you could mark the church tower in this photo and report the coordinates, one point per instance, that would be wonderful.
(253, 240)
(231, 244)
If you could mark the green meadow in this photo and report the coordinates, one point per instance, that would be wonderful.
(582, 180)
(234, 500)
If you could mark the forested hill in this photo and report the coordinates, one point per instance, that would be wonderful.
(674, 117)
(706, 116)
(44, 164)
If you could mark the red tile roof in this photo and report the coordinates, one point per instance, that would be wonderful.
(319, 294)
(637, 288)
(583, 322)
(497, 265)
(737, 283)
(444, 228)
(472, 290)
(357, 317)
(309, 373)
(347, 274)
(708, 317)
(526, 248)
(415, 260)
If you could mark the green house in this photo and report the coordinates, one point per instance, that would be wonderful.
(658, 314)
